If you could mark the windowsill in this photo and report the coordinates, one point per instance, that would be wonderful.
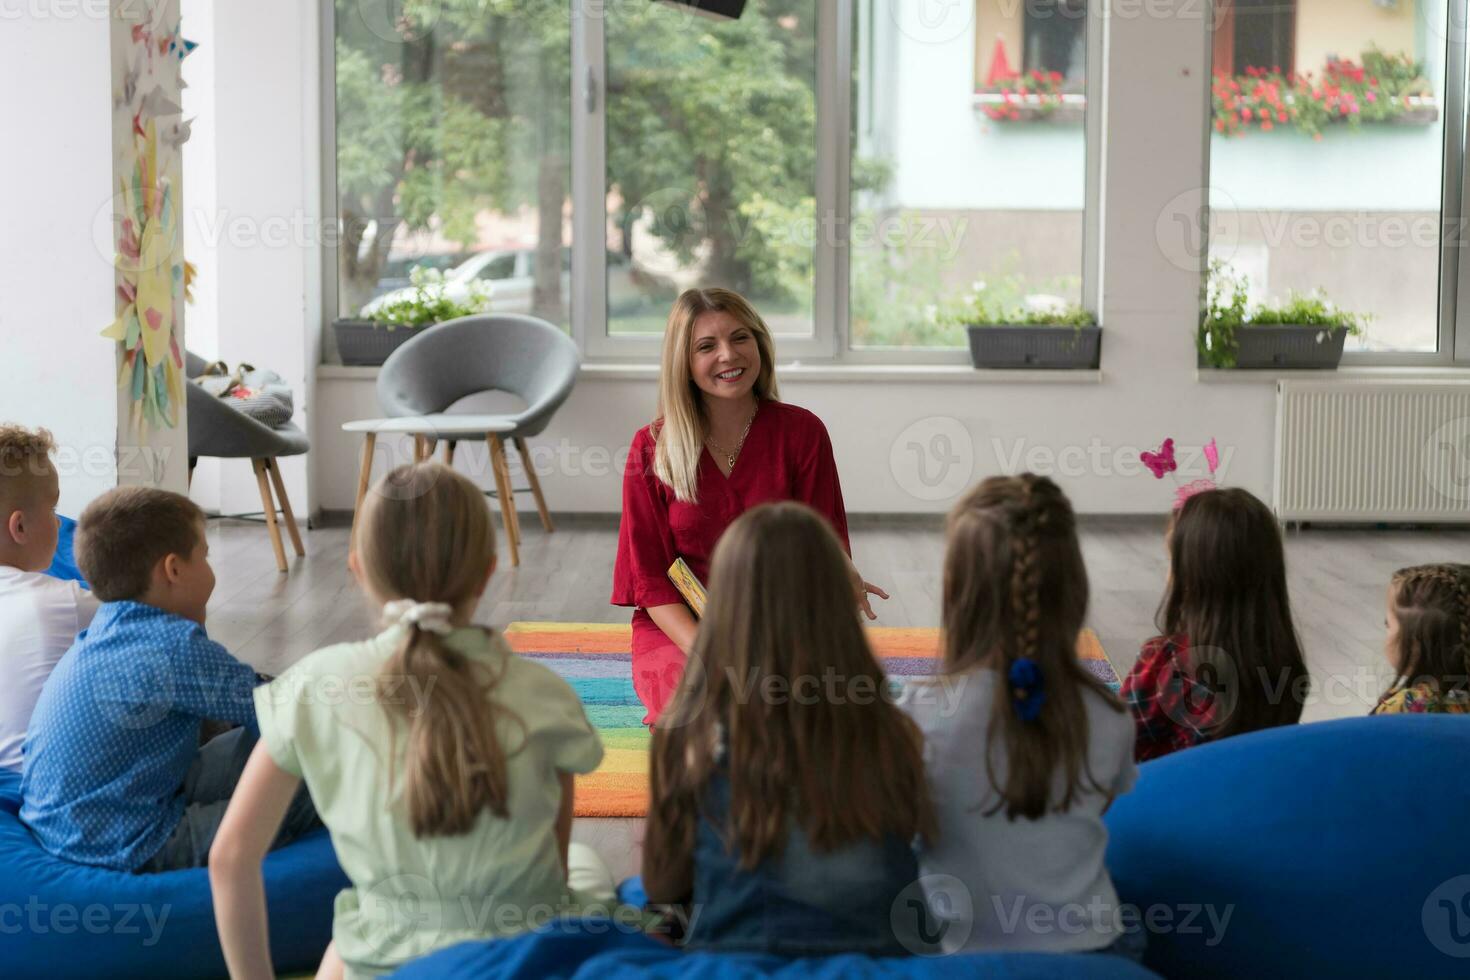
(1228, 376)
(797, 372)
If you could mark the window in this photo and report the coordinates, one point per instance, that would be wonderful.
(1054, 32)
(711, 160)
(587, 163)
(449, 152)
(1255, 34)
(963, 202)
(1327, 161)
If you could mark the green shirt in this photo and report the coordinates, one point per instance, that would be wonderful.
(322, 720)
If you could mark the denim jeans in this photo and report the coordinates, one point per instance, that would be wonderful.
(207, 790)
(802, 902)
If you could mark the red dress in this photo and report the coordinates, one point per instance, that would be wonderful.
(787, 456)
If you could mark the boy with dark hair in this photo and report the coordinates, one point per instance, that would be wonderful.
(40, 616)
(114, 774)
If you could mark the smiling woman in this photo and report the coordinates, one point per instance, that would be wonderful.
(722, 443)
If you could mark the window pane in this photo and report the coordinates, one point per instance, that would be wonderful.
(453, 153)
(1326, 159)
(711, 160)
(968, 165)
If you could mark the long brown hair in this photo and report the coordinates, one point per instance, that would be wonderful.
(425, 534)
(843, 761)
(1227, 596)
(1015, 586)
(1432, 606)
(682, 426)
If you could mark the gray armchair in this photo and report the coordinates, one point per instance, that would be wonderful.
(216, 429)
(522, 355)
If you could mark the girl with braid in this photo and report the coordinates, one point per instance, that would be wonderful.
(1024, 748)
(1428, 641)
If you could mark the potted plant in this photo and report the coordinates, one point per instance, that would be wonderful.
(1305, 332)
(1042, 332)
(391, 321)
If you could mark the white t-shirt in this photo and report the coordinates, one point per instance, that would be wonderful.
(995, 884)
(40, 616)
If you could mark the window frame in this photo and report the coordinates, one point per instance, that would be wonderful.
(1453, 336)
(830, 339)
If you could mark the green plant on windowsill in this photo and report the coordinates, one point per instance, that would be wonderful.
(979, 309)
(1228, 309)
(428, 302)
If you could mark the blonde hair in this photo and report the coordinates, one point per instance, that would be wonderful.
(842, 766)
(25, 457)
(425, 534)
(681, 426)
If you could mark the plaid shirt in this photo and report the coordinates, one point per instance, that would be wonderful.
(1171, 709)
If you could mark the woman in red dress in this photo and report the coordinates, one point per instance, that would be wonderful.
(722, 443)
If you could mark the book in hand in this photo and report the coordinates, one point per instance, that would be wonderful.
(689, 586)
(1095, 660)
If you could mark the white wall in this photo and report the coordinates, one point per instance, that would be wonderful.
(254, 227)
(56, 277)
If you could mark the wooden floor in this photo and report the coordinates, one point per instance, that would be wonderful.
(1338, 579)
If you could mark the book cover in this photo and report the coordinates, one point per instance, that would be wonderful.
(689, 586)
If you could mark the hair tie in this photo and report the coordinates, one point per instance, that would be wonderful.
(1026, 687)
(431, 617)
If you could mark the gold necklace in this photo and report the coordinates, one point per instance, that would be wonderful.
(730, 457)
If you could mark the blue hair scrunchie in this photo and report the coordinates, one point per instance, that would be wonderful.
(1026, 687)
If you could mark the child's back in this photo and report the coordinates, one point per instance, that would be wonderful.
(322, 720)
(786, 789)
(40, 616)
(1024, 748)
(1010, 867)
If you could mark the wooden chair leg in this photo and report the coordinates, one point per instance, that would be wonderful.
(535, 486)
(364, 475)
(270, 512)
(285, 502)
(449, 445)
(419, 451)
(507, 501)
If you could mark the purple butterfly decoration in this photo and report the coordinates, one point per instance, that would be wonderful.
(1162, 461)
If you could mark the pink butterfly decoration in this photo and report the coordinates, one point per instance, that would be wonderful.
(1212, 456)
(1162, 461)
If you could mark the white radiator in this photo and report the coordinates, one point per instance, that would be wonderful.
(1373, 451)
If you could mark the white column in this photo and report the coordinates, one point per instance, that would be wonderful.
(60, 70)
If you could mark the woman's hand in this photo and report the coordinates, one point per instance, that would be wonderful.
(863, 589)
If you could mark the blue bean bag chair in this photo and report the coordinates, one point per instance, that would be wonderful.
(600, 949)
(1336, 849)
(60, 920)
(64, 563)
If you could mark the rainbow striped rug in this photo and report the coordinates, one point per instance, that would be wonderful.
(596, 659)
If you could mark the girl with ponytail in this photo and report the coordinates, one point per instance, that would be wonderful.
(1428, 641)
(1024, 748)
(440, 761)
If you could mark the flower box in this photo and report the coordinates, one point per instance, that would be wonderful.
(1288, 347)
(1054, 347)
(367, 343)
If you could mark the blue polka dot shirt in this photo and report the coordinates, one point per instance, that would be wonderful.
(116, 729)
